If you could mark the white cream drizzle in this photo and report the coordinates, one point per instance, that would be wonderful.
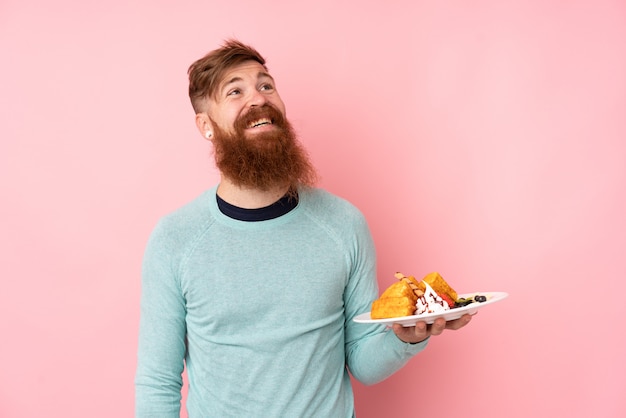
(430, 302)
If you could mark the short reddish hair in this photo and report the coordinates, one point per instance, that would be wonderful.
(206, 73)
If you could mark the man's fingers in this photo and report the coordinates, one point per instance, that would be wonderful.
(421, 330)
(438, 326)
(459, 323)
(411, 334)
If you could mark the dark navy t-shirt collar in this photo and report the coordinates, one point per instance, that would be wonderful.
(279, 208)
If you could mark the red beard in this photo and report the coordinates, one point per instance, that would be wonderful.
(264, 160)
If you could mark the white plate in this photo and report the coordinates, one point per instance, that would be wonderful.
(429, 318)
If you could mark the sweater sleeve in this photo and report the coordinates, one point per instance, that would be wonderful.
(373, 352)
(162, 330)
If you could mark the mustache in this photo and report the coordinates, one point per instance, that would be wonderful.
(267, 111)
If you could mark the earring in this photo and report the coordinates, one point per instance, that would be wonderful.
(208, 134)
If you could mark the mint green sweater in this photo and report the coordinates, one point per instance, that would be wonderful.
(261, 313)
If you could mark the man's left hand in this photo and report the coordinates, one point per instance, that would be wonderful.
(422, 331)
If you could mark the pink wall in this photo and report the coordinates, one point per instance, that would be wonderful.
(485, 141)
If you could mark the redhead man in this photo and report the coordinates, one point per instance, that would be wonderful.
(254, 284)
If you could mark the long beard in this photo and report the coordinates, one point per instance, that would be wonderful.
(264, 160)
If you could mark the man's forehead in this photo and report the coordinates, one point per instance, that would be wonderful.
(247, 68)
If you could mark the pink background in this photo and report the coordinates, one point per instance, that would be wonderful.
(485, 140)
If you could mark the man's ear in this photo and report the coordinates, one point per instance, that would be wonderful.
(203, 123)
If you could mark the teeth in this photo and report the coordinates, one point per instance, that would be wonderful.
(260, 122)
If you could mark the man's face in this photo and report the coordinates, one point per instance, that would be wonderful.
(242, 88)
(255, 145)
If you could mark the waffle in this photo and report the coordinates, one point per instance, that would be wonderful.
(400, 298)
(439, 285)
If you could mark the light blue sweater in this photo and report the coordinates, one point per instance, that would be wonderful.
(261, 313)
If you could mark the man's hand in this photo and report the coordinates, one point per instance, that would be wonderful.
(421, 330)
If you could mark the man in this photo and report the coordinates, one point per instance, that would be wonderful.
(254, 284)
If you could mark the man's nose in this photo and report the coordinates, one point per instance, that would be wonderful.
(257, 99)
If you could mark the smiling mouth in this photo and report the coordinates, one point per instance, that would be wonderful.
(260, 122)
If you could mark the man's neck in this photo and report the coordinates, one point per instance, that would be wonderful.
(248, 198)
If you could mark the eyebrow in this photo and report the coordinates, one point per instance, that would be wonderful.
(260, 74)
